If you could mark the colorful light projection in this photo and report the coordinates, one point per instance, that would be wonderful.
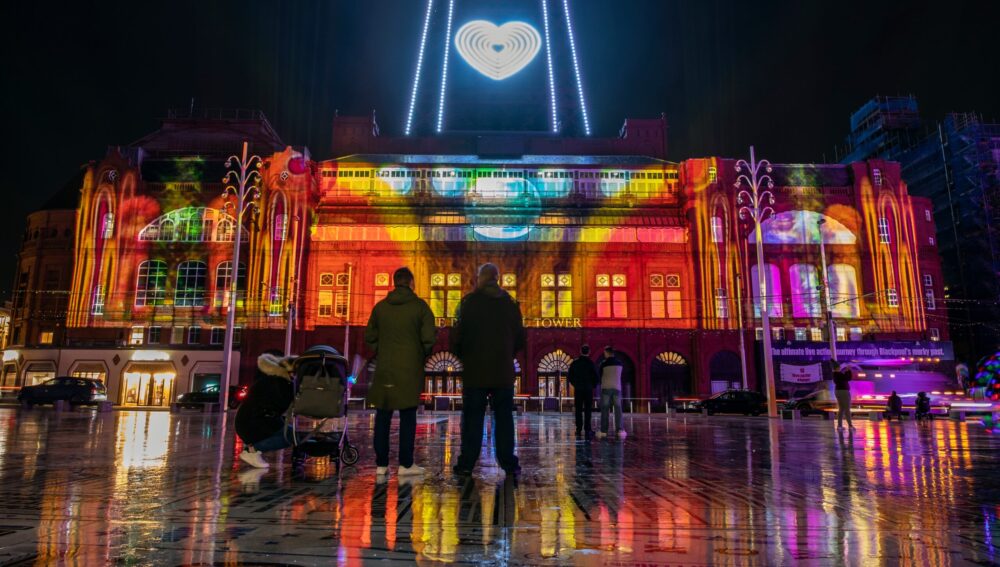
(802, 227)
(498, 52)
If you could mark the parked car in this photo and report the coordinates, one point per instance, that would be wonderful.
(210, 395)
(746, 402)
(76, 391)
(813, 403)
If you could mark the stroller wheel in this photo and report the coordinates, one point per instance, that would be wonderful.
(349, 455)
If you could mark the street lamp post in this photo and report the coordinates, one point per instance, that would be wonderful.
(755, 204)
(242, 182)
(831, 329)
(739, 322)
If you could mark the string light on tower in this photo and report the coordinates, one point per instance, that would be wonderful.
(444, 67)
(420, 63)
(548, 57)
(576, 68)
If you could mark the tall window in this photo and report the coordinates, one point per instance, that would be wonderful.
(446, 294)
(190, 288)
(892, 297)
(929, 299)
(774, 297)
(277, 302)
(557, 295)
(844, 291)
(721, 303)
(612, 296)
(281, 226)
(137, 335)
(717, 232)
(713, 174)
(224, 231)
(877, 176)
(151, 283)
(883, 230)
(934, 334)
(223, 281)
(665, 303)
(108, 226)
(97, 305)
(928, 280)
(804, 290)
(342, 281)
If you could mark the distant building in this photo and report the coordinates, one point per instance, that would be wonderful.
(954, 163)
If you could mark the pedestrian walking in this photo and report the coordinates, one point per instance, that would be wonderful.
(584, 378)
(401, 332)
(842, 391)
(611, 392)
(488, 333)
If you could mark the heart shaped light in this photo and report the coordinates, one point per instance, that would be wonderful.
(497, 51)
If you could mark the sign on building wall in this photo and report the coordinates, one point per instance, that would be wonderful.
(797, 374)
(859, 351)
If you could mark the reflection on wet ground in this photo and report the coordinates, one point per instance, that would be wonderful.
(160, 489)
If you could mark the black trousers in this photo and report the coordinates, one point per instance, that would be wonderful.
(407, 434)
(474, 402)
(583, 403)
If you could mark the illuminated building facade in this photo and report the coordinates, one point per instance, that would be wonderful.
(601, 240)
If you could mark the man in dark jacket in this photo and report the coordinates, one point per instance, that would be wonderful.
(486, 337)
(583, 377)
(401, 332)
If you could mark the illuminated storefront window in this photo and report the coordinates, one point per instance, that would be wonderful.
(148, 384)
(190, 289)
(774, 296)
(151, 283)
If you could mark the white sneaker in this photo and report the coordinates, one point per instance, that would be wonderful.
(381, 471)
(622, 434)
(601, 435)
(412, 470)
(253, 458)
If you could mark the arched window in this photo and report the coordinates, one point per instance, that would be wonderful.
(108, 225)
(190, 289)
(223, 279)
(224, 231)
(805, 295)
(443, 362)
(774, 297)
(556, 361)
(844, 291)
(151, 283)
(191, 224)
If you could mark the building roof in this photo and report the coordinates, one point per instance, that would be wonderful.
(527, 160)
(211, 132)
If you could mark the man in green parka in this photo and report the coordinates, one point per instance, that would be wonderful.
(401, 332)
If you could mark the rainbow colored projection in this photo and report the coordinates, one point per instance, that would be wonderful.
(646, 255)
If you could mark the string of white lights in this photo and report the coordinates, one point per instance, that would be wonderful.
(576, 67)
(420, 63)
(444, 67)
(548, 57)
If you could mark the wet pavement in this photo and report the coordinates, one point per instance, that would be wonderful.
(154, 488)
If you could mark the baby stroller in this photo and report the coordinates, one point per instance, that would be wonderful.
(321, 393)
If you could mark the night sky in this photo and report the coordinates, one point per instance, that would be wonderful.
(785, 76)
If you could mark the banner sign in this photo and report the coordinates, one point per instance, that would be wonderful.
(859, 351)
(801, 374)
